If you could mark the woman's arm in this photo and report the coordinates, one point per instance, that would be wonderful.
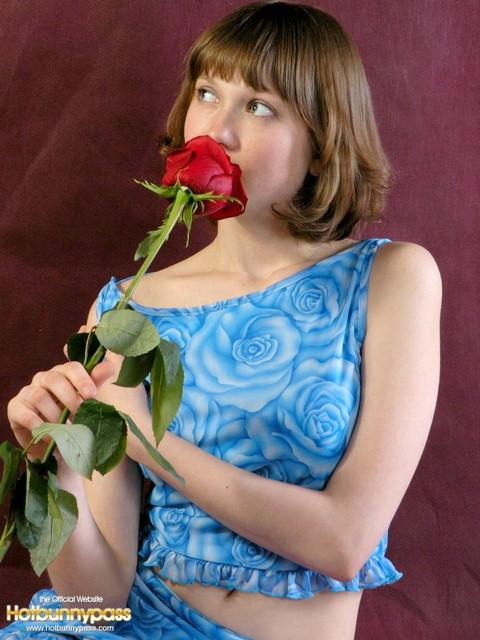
(334, 531)
(99, 558)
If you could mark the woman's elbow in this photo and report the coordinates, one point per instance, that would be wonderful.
(346, 569)
(342, 562)
(340, 570)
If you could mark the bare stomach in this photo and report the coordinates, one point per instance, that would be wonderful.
(260, 617)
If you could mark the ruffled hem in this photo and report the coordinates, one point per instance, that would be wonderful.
(297, 584)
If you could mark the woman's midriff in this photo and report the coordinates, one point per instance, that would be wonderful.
(261, 617)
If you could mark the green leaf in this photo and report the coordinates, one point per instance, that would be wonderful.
(171, 359)
(75, 442)
(127, 332)
(52, 465)
(7, 537)
(36, 506)
(152, 452)
(11, 457)
(82, 346)
(166, 393)
(109, 430)
(59, 524)
(28, 533)
(134, 370)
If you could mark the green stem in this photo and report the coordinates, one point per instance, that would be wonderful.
(51, 447)
(7, 535)
(174, 215)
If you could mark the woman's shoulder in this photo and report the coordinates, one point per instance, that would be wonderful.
(404, 271)
(406, 261)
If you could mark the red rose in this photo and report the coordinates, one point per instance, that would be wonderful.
(203, 166)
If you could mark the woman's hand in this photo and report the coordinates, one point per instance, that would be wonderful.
(99, 558)
(65, 385)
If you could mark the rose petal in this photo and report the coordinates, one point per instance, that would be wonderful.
(203, 166)
(176, 160)
(208, 147)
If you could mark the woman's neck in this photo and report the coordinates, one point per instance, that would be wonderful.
(258, 250)
(239, 261)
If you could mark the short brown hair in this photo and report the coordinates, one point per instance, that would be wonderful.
(306, 56)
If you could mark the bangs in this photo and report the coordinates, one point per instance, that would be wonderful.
(268, 52)
(233, 59)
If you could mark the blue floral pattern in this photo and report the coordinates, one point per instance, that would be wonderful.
(272, 385)
(239, 349)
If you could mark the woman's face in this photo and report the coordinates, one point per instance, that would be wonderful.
(260, 132)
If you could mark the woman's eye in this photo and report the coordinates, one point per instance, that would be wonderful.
(260, 109)
(205, 95)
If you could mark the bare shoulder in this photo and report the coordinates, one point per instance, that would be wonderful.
(405, 269)
(405, 292)
(155, 289)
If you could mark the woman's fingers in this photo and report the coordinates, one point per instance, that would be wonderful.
(21, 414)
(103, 372)
(67, 384)
(43, 399)
(23, 418)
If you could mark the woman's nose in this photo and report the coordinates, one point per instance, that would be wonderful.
(223, 128)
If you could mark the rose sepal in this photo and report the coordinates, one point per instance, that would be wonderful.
(183, 209)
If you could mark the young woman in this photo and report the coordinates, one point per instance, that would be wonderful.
(311, 365)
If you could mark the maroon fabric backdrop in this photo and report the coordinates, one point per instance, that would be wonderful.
(84, 88)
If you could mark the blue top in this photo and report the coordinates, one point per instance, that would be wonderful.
(272, 385)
